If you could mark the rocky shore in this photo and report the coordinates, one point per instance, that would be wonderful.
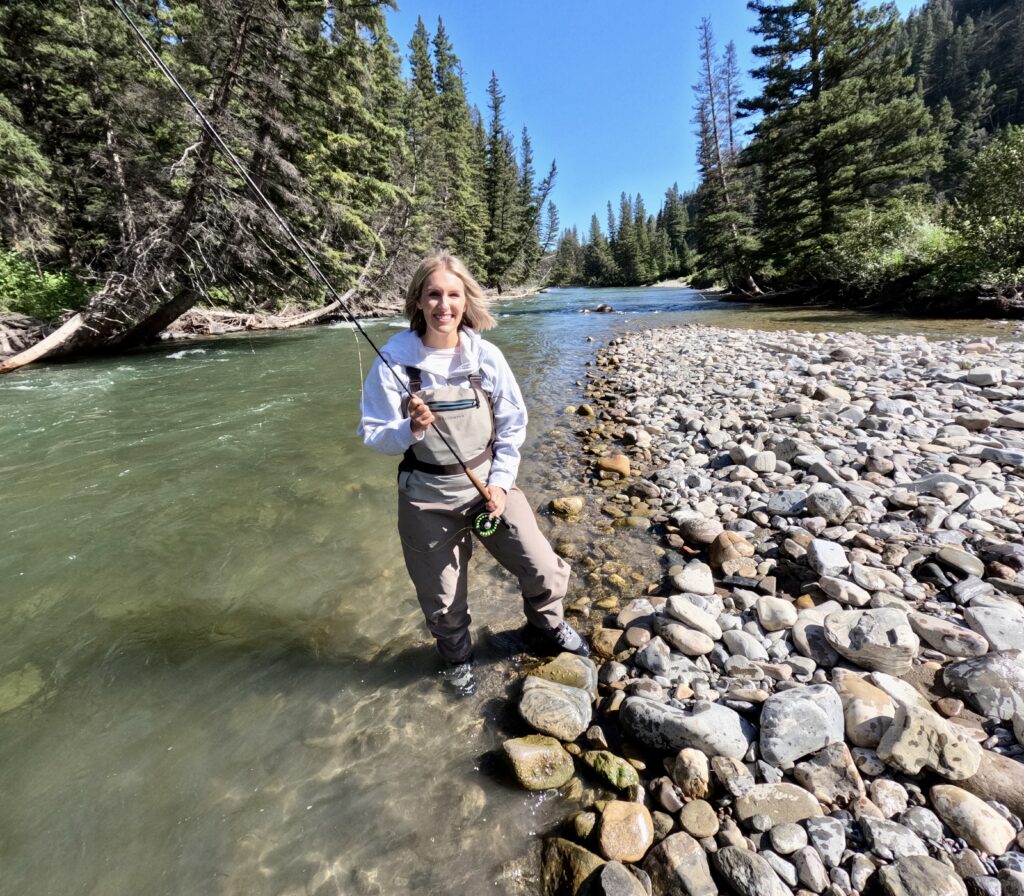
(825, 694)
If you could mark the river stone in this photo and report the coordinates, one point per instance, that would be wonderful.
(1002, 627)
(694, 617)
(873, 579)
(568, 505)
(787, 838)
(784, 869)
(831, 776)
(879, 640)
(945, 636)
(655, 657)
(566, 868)
(900, 691)
(695, 578)
(998, 778)
(810, 869)
(733, 775)
(747, 873)
(614, 770)
(782, 803)
(920, 876)
(571, 670)
(993, 684)
(798, 722)
(539, 762)
(690, 771)
(614, 879)
(687, 641)
(827, 558)
(889, 839)
(677, 866)
(867, 710)
(831, 504)
(775, 614)
(555, 709)
(741, 643)
(698, 819)
(788, 502)
(890, 797)
(1011, 883)
(960, 561)
(626, 831)
(615, 463)
(923, 822)
(972, 819)
(809, 639)
(845, 592)
(698, 529)
(716, 730)
(919, 738)
(828, 837)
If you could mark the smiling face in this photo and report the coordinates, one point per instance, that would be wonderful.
(443, 302)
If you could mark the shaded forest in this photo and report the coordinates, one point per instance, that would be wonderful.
(115, 204)
(882, 162)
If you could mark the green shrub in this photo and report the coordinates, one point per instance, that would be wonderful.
(990, 219)
(880, 247)
(44, 296)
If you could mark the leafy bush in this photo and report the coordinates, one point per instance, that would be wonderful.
(879, 247)
(44, 296)
(990, 219)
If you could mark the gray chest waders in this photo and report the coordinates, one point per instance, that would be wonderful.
(429, 470)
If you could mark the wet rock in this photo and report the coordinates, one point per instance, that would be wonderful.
(880, 640)
(781, 803)
(800, 721)
(568, 505)
(716, 730)
(555, 709)
(616, 463)
(566, 868)
(626, 831)
(614, 879)
(972, 819)
(747, 873)
(868, 711)
(570, 670)
(920, 876)
(677, 866)
(615, 771)
(919, 738)
(993, 684)
(539, 762)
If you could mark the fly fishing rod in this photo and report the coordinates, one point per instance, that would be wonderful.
(483, 523)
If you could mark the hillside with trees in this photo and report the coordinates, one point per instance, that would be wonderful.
(881, 162)
(116, 208)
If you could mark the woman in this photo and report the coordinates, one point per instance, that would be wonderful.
(462, 386)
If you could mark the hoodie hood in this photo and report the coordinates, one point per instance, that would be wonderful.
(406, 349)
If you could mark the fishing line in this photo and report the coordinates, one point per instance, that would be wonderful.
(269, 206)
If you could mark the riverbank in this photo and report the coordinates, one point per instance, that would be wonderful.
(824, 694)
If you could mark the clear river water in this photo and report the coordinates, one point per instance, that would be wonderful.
(214, 677)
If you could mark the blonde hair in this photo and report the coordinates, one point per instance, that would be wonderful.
(476, 314)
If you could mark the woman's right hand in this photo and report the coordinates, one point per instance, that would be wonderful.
(420, 416)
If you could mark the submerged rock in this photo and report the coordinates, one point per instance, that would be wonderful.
(539, 762)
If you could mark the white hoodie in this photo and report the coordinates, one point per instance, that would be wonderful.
(386, 429)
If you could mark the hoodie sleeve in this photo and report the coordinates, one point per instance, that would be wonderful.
(509, 419)
(383, 426)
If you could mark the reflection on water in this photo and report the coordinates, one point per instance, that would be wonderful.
(213, 673)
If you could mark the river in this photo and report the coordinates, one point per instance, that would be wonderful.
(214, 677)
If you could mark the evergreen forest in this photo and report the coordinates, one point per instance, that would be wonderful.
(880, 163)
(116, 203)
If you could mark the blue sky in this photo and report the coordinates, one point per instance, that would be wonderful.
(604, 88)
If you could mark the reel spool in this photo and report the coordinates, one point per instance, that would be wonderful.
(484, 525)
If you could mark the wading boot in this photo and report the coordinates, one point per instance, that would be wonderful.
(565, 639)
(459, 679)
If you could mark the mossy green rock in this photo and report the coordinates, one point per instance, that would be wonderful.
(613, 769)
(539, 762)
(571, 670)
(567, 869)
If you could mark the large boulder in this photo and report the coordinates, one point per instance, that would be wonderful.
(714, 729)
(992, 684)
(881, 640)
(798, 722)
(556, 709)
(972, 819)
(920, 738)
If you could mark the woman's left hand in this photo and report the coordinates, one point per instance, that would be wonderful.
(496, 501)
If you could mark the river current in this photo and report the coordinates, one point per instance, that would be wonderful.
(214, 677)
